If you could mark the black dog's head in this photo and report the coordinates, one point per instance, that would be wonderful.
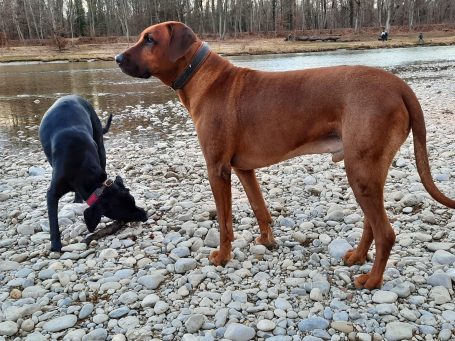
(116, 203)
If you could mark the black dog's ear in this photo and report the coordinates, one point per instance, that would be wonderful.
(92, 217)
(119, 181)
(181, 39)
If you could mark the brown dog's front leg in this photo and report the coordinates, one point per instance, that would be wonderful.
(253, 192)
(220, 182)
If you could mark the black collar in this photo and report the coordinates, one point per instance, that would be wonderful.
(189, 71)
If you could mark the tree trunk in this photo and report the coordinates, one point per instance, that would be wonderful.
(389, 8)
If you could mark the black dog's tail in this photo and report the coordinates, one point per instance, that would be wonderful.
(108, 124)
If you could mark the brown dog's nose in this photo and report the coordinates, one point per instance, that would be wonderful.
(119, 58)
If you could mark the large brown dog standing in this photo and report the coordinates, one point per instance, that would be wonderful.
(247, 119)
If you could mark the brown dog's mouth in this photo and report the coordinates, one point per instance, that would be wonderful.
(135, 72)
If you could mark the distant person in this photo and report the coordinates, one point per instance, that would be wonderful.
(384, 35)
(421, 42)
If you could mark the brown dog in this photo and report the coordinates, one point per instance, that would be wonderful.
(247, 119)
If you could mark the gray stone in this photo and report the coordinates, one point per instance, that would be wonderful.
(398, 331)
(128, 298)
(352, 218)
(440, 279)
(194, 323)
(443, 257)
(8, 328)
(445, 335)
(212, 239)
(312, 323)
(36, 171)
(74, 335)
(99, 334)
(266, 325)
(60, 323)
(153, 280)
(161, 307)
(7, 265)
(382, 296)
(336, 215)
(36, 336)
(150, 300)
(440, 295)
(85, 311)
(183, 265)
(338, 248)
(239, 332)
(119, 312)
(128, 323)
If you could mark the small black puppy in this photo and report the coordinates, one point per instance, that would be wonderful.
(72, 138)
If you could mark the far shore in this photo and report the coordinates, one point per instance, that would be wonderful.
(229, 47)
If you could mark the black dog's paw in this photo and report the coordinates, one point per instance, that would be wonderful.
(56, 247)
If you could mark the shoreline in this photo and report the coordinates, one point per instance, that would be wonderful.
(228, 48)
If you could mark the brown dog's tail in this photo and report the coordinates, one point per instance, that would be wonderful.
(419, 134)
(108, 124)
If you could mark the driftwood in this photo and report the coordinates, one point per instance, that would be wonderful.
(107, 231)
(312, 38)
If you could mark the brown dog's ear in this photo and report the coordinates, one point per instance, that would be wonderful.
(182, 37)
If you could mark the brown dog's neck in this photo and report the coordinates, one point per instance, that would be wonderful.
(212, 70)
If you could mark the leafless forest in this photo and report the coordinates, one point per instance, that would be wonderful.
(42, 19)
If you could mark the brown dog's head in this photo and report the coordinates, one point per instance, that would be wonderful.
(159, 52)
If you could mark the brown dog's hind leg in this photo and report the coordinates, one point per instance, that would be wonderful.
(253, 192)
(220, 182)
(359, 255)
(367, 178)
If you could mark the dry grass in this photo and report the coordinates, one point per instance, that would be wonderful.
(229, 47)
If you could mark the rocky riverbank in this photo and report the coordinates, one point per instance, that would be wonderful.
(154, 280)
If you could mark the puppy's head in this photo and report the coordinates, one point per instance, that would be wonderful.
(158, 51)
(116, 203)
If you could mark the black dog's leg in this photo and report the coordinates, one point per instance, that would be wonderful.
(52, 208)
(56, 190)
(78, 198)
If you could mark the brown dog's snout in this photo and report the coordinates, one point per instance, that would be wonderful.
(120, 58)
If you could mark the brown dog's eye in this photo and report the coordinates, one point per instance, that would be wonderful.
(148, 40)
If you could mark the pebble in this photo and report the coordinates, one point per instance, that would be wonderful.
(312, 323)
(8, 328)
(85, 311)
(183, 265)
(239, 332)
(398, 331)
(194, 323)
(443, 257)
(266, 325)
(382, 296)
(99, 334)
(60, 323)
(338, 248)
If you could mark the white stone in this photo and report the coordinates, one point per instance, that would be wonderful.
(396, 331)
(382, 296)
(266, 325)
(239, 332)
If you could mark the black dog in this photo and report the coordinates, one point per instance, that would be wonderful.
(72, 138)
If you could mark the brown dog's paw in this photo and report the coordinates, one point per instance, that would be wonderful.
(217, 258)
(367, 281)
(352, 257)
(269, 242)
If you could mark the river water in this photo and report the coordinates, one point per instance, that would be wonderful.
(28, 89)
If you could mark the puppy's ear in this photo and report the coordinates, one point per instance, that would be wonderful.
(92, 217)
(181, 39)
(119, 181)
